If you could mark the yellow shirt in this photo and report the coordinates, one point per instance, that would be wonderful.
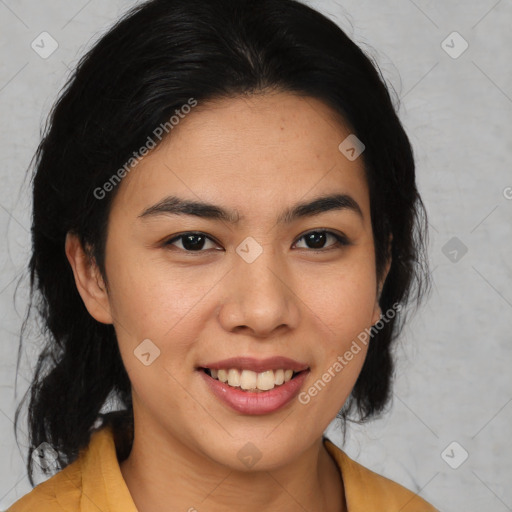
(94, 482)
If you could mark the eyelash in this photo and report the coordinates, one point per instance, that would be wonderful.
(341, 240)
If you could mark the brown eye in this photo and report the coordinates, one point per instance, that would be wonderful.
(317, 240)
(191, 242)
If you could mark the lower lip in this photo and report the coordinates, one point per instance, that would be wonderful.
(264, 402)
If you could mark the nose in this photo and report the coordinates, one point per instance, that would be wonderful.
(259, 297)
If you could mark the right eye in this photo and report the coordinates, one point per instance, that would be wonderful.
(191, 242)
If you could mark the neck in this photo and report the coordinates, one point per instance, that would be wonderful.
(163, 474)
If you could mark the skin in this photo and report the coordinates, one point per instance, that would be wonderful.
(257, 155)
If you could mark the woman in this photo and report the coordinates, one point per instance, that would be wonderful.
(226, 232)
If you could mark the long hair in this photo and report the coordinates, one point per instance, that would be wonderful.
(149, 64)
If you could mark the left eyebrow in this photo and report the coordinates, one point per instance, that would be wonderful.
(321, 205)
(173, 205)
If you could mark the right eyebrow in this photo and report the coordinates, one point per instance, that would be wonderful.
(173, 205)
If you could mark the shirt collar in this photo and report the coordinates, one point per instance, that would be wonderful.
(102, 480)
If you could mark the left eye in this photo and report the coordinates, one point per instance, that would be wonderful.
(317, 239)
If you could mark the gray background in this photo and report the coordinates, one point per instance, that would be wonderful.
(453, 377)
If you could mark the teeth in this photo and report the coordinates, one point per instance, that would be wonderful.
(249, 380)
(233, 378)
(266, 380)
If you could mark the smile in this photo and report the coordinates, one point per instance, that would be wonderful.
(249, 380)
(254, 386)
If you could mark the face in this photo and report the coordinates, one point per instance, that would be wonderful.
(266, 284)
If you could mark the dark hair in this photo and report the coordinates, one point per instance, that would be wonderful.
(161, 54)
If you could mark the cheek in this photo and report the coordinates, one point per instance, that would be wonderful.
(160, 304)
(343, 303)
(153, 299)
(343, 299)
(169, 306)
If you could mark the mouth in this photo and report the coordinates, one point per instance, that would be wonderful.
(254, 386)
(251, 381)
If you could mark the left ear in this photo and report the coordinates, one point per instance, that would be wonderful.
(377, 312)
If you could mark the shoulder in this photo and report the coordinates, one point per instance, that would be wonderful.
(94, 477)
(368, 491)
(60, 493)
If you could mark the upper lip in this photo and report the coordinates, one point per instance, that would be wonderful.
(257, 365)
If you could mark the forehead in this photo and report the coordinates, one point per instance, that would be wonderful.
(252, 152)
